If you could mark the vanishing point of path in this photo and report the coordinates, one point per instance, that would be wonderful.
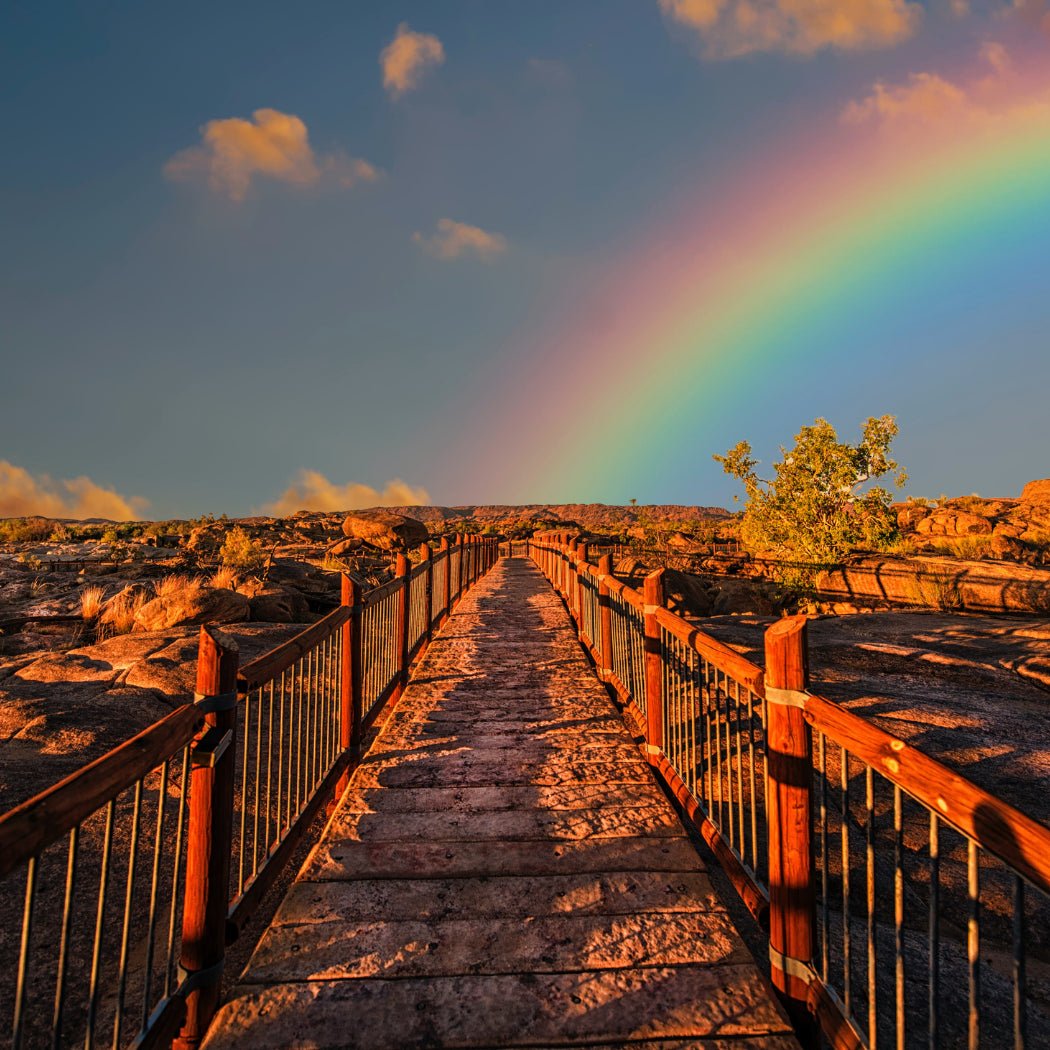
(503, 872)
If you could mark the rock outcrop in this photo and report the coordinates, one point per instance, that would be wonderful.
(193, 605)
(385, 529)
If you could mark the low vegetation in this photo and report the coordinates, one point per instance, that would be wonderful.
(819, 506)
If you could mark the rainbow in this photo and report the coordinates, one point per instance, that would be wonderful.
(824, 232)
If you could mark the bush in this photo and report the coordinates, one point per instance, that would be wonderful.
(812, 511)
(25, 530)
(240, 551)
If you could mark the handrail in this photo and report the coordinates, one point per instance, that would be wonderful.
(43, 819)
(266, 667)
(237, 779)
(999, 828)
(734, 745)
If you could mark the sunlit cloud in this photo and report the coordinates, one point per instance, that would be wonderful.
(311, 490)
(23, 494)
(730, 28)
(927, 99)
(273, 145)
(1033, 12)
(453, 239)
(407, 58)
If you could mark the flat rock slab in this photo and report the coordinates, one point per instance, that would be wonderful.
(503, 871)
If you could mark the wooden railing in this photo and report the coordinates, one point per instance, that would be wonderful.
(138, 870)
(934, 947)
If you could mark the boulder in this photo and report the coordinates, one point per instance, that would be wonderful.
(193, 606)
(278, 605)
(1036, 491)
(385, 529)
(947, 522)
(909, 515)
(344, 547)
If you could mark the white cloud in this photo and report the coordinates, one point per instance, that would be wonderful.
(730, 28)
(22, 494)
(453, 239)
(407, 58)
(274, 145)
(311, 490)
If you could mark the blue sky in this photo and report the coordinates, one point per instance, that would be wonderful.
(198, 343)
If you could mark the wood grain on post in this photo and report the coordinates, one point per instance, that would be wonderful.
(209, 838)
(605, 617)
(426, 555)
(792, 907)
(654, 670)
(460, 538)
(349, 597)
(403, 572)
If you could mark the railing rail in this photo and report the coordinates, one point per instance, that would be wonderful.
(140, 868)
(899, 897)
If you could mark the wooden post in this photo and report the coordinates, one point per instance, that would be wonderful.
(789, 748)
(604, 618)
(426, 555)
(654, 671)
(349, 710)
(403, 571)
(446, 598)
(460, 540)
(209, 837)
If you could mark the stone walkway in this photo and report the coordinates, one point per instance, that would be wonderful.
(503, 872)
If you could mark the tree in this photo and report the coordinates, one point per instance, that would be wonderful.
(813, 510)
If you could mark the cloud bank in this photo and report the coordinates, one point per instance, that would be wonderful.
(274, 145)
(407, 59)
(730, 28)
(452, 239)
(311, 490)
(22, 494)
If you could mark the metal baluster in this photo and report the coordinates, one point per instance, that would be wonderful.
(741, 832)
(898, 914)
(753, 788)
(245, 743)
(934, 934)
(151, 927)
(269, 770)
(23, 952)
(825, 959)
(873, 987)
(125, 937)
(847, 960)
(258, 778)
(63, 944)
(184, 792)
(973, 942)
(96, 951)
(281, 825)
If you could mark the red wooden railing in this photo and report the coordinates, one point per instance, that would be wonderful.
(802, 801)
(139, 869)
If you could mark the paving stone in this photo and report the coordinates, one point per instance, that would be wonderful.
(507, 897)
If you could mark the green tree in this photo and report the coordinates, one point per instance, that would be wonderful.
(816, 508)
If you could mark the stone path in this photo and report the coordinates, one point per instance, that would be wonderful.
(503, 872)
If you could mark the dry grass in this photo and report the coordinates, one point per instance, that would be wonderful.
(967, 547)
(175, 584)
(119, 615)
(91, 602)
(225, 577)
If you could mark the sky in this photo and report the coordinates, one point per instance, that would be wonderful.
(263, 257)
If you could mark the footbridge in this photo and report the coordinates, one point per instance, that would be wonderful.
(512, 777)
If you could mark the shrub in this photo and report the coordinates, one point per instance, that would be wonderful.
(240, 551)
(226, 577)
(812, 512)
(25, 530)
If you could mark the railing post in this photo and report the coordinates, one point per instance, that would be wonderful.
(209, 837)
(403, 571)
(789, 779)
(426, 555)
(446, 598)
(604, 618)
(461, 543)
(654, 671)
(352, 696)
